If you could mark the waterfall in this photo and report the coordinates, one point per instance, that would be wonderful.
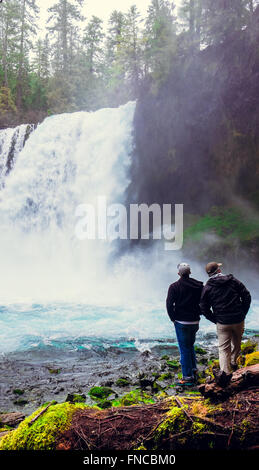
(70, 159)
(11, 143)
(58, 290)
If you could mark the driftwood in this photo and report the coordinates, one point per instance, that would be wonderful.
(39, 414)
(11, 419)
(244, 378)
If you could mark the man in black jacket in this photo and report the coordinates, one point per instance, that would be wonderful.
(226, 301)
(183, 309)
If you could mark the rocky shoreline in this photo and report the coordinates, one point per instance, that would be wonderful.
(28, 380)
(86, 404)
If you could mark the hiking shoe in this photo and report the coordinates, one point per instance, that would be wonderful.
(185, 383)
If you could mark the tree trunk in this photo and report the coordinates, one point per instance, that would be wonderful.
(5, 65)
(64, 39)
(19, 92)
(242, 379)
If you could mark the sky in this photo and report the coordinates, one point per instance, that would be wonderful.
(100, 8)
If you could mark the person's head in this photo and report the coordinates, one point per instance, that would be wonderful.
(184, 269)
(213, 268)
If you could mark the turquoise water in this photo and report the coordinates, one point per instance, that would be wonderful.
(75, 327)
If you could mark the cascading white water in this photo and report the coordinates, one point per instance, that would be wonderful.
(70, 159)
(54, 287)
(11, 144)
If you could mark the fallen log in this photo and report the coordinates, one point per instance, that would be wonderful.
(242, 379)
(11, 419)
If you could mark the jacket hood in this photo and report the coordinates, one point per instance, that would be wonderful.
(191, 283)
(220, 280)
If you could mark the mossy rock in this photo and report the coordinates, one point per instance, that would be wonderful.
(76, 398)
(165, 357)
(199, 350)
(43, 433)
(121, 382)
(18, 391)
(173, 364)
(252, 359)
(248, 347)
(100, 393)
(104, 404)
(156, 387)
(165, 376)
(134, 398)
(175, 422)
(20, 402)
(212, 365)
(53, 371)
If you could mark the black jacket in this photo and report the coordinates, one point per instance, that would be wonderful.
(183, 299)
(227, 297)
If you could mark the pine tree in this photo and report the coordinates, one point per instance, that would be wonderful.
(63, 16)
(63, 28)
(132, 52)
(160, 39)
(190, 14)
(114, 71)
(93, 44)
(222, 18)
(27, 28)
(9, 23)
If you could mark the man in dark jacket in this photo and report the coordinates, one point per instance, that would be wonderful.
(226, 301)
(183, 309)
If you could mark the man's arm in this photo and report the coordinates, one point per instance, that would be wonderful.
(205, 306)
(245, 295)
(170, 302)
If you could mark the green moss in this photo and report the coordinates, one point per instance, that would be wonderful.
(212, 365)
(18, 391)
(199, 350)
(133, 398)
(54, 371)
(104, 404)
(248, 347)
(165, 357)
(252, 359)
(122, 382)
(227, 223)
(5, 428)
(175, 422)
(197, 427)
(156, 387)
(76, 398)
(42, 434)
(100, 393)
(165, 376)
(173, 364)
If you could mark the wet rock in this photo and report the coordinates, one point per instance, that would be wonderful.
(21, 402)
(76, 398)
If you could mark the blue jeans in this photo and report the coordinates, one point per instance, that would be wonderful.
(186, 338)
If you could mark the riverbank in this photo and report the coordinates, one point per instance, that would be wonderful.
(31, 378)
(89, 404)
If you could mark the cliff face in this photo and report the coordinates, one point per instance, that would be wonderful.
(197, 140)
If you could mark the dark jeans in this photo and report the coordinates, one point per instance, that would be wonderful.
(186, 338)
